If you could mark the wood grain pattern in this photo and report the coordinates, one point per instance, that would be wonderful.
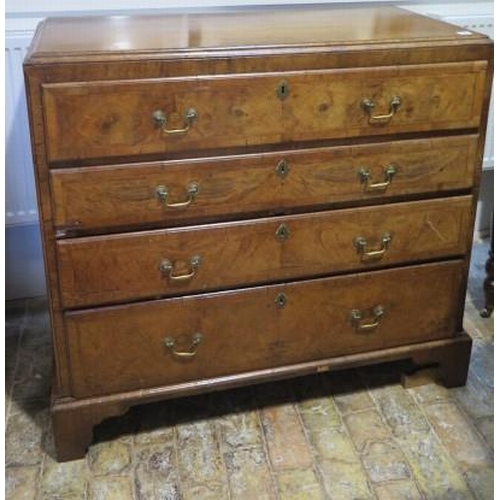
(245, 330)
(105, 269)
(91, 198)
(249, 27)
(73, 424)
(114, 119)
(61, 379)
(135, 65)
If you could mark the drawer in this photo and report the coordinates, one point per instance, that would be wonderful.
(174, 192)
(176, 340)
(106, 269)
(108, 119)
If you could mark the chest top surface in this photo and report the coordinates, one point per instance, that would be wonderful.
(250, 29)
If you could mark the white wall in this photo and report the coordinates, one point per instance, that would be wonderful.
(24, 266)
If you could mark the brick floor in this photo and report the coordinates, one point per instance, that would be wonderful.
(354, 434)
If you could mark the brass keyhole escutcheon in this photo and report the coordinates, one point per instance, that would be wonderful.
(282, 233)
(282, 168)
(282, 91)
(280, 300)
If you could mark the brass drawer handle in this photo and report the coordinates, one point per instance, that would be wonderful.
(192, 191)
(367, 105)
(365, 175)
(360, 243)
(166, 266)
(160, 119)
(193, 349)
(375, 315)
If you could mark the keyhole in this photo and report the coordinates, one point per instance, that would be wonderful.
(282, 233)
(280, 300)
(282, 168)
(282, 90)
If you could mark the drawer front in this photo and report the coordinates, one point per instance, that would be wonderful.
(176, 340)
(179, 191)
(106, 269)
(98, 120)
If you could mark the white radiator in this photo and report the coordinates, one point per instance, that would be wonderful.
(20, 195)
(481, 24)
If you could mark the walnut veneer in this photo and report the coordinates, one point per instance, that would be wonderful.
(283, 190)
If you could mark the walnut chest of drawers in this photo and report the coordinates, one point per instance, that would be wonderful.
(251, 195)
